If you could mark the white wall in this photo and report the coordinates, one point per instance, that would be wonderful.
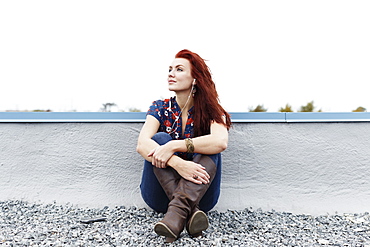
(314, 168)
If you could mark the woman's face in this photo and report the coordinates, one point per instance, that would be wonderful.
(179, 76)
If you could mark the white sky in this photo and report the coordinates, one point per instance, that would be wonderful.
(76, 55)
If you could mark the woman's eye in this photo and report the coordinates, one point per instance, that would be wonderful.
(177, 69)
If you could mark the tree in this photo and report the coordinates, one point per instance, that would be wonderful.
(107, 106)
(308, 108)
(288, 108)
(360, 109)
(259, 108)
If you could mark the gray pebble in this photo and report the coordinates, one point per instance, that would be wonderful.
(27, 224)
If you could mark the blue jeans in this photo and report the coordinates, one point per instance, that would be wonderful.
(153, 193)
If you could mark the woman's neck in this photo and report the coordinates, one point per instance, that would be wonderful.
(185, 101)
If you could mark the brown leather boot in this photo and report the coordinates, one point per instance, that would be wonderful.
(184, 203)
(168, 179)
(198, 220)
(197, 223)
(174, 220)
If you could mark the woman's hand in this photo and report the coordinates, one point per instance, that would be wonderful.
(193, 172)
(160, 155)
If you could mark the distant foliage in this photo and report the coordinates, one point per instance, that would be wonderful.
(360, 109)
(287, 108)
(309, 107)
(41, 110)
(134, 110)
(259, 108)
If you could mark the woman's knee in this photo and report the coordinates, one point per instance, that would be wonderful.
(216, 158)
(210, 198)
(162, 138)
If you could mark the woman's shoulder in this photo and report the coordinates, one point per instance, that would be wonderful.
(159, 106)
(162, 103)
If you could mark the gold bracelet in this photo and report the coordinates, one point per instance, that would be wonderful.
(189, 145)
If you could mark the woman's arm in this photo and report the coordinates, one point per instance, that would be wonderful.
(151, 150)
(145, 144)
(146, 147)
(214, 143)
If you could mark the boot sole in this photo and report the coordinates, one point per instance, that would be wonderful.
(163, 230)
(198, 223)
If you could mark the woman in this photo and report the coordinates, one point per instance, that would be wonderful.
(181, 141)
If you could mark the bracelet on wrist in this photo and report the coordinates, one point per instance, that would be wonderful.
(189, 145)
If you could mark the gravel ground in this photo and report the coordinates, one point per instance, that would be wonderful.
(27, 224)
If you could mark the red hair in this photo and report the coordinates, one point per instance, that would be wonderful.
(207, 106)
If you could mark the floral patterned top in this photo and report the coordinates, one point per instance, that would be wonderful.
(168, 113)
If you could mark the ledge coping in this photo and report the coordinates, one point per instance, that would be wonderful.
(139, 117)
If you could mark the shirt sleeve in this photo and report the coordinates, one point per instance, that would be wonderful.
(154, 110)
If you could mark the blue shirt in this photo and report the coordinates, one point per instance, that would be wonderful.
(168, 113)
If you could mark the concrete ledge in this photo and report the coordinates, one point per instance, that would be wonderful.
(312, 167)
(134, 117)
(71, 117)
